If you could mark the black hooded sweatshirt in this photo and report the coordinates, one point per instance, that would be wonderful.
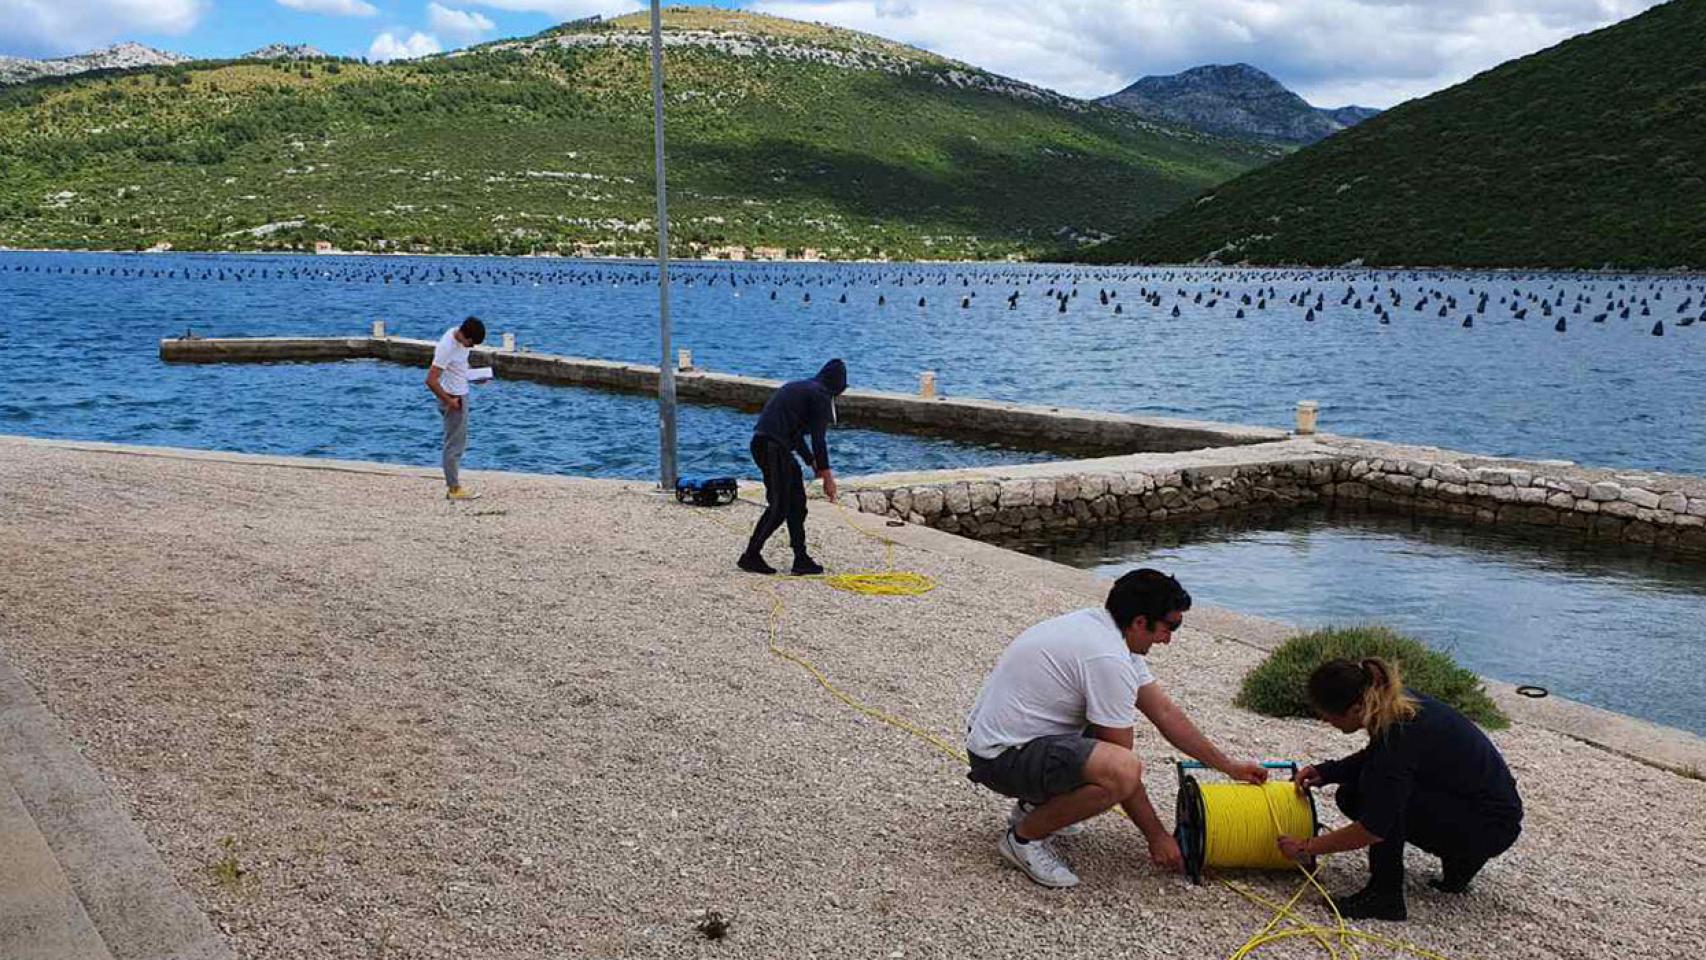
(802, 406)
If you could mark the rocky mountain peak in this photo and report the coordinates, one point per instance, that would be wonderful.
(285, 51)
(1234, 100)
(119, 56)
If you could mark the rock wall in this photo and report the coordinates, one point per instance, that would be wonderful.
(1667, 511)
(1663, 510)
(995, 509)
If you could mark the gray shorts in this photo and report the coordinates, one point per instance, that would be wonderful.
(1037, 771)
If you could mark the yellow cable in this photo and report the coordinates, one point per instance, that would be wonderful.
(823, 681)
(1243, 823)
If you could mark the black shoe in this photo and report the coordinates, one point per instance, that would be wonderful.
(805, 566)
(753, 563)
(1372, 904)
(1456, 875)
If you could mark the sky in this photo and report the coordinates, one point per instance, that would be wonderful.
(1373, 53)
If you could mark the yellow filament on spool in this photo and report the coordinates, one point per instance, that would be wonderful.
(1242, 823)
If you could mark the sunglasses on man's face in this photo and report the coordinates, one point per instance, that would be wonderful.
(1171, 625)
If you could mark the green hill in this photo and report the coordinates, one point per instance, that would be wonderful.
(1588, 154)
(781, 134)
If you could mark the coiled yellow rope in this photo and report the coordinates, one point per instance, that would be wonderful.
(888, 583)
(1243, 823)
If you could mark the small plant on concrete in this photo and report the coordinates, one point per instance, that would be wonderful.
(227, 870)
(1277, 686)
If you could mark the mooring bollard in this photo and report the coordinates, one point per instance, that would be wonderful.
(684, 359)
(378, 329)
(927, 384)
(509, 341)
(1306, 411)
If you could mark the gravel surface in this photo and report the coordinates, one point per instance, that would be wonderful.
(545, 725)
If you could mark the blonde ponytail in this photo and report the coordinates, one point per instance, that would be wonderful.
(1384, 701)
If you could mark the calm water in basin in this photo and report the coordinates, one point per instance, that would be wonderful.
(1618, 627)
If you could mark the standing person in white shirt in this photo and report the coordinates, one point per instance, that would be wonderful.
(448, 381)
(1053, 725)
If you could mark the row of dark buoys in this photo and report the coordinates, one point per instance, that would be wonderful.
(1201, 290)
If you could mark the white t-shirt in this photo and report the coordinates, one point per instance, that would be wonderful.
(1057, 677)
(452, 358)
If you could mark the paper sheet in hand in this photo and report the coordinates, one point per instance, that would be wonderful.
(479, 374)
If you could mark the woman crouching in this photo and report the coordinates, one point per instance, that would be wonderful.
(1428, 776)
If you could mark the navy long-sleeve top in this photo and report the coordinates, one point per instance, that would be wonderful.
(1439, 751)
(800, 407)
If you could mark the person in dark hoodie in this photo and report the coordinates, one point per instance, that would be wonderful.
(797, 408)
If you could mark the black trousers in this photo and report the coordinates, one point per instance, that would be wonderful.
(1462, 837)
(784, 494)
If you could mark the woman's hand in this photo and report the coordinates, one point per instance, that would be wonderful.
(1295, 850)
(1307, 778)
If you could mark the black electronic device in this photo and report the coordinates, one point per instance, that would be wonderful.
(707, 491)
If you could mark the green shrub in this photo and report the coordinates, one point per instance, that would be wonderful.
(1277, 687)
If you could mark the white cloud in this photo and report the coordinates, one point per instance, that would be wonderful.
(51, 28)
(1333, 52)
(386, 46)
(336, 8)
(462, 25)
(564, 9)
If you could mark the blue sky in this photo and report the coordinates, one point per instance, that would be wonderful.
(1333, 52)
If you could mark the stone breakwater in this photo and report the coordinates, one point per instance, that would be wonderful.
(1666, 511)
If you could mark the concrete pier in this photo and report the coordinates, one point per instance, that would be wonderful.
(1082, 432)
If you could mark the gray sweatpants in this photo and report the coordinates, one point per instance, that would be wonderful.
(455, 441)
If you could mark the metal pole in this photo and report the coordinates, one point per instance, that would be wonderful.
(666, 373)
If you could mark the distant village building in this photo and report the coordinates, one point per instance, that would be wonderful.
(324, 246)
(811, 253)
(769, 253)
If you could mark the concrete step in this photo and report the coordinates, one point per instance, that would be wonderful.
(40, 916)
(137, 909)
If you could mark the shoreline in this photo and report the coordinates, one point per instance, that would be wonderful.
(1660, 746)
(1666, 272)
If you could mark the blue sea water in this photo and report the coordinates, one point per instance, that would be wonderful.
(1600, 393)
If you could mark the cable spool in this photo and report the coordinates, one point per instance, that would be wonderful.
(1233, 825)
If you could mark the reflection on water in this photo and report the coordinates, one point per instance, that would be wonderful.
(1616, 626)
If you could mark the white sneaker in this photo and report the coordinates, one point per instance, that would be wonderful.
(1021, 810)
(1039, 861)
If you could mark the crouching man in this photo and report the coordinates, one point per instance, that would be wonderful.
(1053, 725)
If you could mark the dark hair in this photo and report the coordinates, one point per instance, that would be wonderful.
(1338, 685)
(1145, 593)
(475, 330)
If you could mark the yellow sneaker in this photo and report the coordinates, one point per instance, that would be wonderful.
(460, 493)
